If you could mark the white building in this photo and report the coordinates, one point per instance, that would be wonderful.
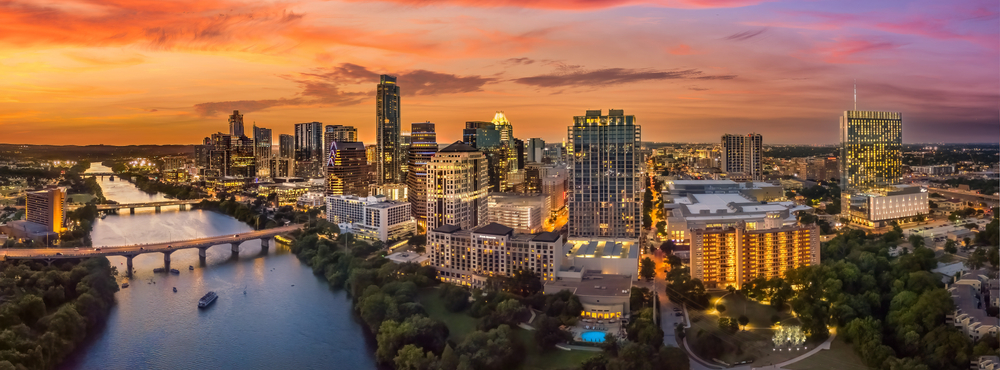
(524, 213)
(372, 218)
(970, 308)
(725, 210)
(457, 187)
(934, 170)
(470, 257)
(311, 200)
(878, 209)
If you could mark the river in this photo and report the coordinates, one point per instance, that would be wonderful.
(288, 318)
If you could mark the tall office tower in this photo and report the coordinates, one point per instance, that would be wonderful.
(331, 133)
(535, 150)
(262, 151)
(517, 150)
(605, 177)
(286, 146)
(282, 167)
(308, 149)
(236, 124)
(220, 156)
(387, 127)
(347, 169)
(457, 187)
(405, 140)
(423, 146)
(502, 124)
(741, 156)
(202, 156)
(243, 161)
(47, 208)
(870, 149)
(486, 138)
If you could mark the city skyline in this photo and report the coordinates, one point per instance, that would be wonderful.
(670, 63)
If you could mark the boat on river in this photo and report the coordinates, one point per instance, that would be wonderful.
(190, 267)
(159, 269)
(175, 271)
(208, 299)
(124, 285)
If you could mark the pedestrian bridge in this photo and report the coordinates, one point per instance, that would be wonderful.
(156, 205)
(167, 248)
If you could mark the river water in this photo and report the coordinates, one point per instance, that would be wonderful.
(287, 319)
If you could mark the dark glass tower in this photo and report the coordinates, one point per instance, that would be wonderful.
(423, 146)
(387, 131)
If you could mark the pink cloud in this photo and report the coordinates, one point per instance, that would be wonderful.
(681, 49)
(584, 4)
(853, 51)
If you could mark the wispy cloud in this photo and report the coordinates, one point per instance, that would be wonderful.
(612, 76)
(745, 35)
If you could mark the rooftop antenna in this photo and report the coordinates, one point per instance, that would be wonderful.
(855, 94)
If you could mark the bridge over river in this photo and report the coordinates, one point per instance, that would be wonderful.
(132, 206)
(130, 251)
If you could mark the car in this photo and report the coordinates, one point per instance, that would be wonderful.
(170, 246)
(97, 249)
(58, 254)
(236, 235)
(76, 249)
(678, 314)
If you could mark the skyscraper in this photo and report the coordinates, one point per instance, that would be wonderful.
(236, 124)
(486, 138)
(331, 133)
(387, 129)
(457, 187)
(423, 146)
(502, 124)
(741, 156)
(286, 146)
(347, 169)
(535, 150)
(870, 153)
(220, 156)
(308, 149)
(605, 178)
(243, 161)
(262, 151)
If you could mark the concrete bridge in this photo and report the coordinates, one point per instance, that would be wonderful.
(132, 206)
(130, 251)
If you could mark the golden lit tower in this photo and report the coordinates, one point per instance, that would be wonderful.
(871, 144)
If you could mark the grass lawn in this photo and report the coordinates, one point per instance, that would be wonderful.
(80, 198)
(461, 324)
(840, 356)
(759, 314)
(949, 258)
(754, 342)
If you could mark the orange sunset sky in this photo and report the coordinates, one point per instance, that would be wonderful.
(169, 72)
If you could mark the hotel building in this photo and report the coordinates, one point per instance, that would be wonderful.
(47, 208)
(371, 218)
(469, 257)
(870, 152)
(524, 213)
(879, 207)
(457, 186)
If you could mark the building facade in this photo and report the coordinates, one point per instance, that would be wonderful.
(286, 146)
(236, 124)
(934, 170)
(457, 187)
(423, 146)
(871, 144)
(605, 178)
(263, 151)
(879, 207)
(347, 169)
(470, 257)
(741, 156)
(387, 127)
(485, 137)
(723, 257)
(47, 208)
(371, 218)
(309, 149)
(526, 214)
(344, 134)
(535, 150)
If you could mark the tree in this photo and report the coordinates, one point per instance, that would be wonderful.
(728, 325)
(610, 345)
(668, 246)
(548, 333)
(743, 320)
(967, 241)
(916, 241)
(647, 268)
(949, 246)
(720, 307)
(411, 357)
(977, 259)
(674, 261)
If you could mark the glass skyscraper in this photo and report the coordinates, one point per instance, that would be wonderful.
(309, 149)
(870, 152)
(262, 151)
(605, 177)
(388, 130)
(423, 146)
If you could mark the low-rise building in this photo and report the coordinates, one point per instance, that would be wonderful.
(603, 296)
(311, 200)
(970, 292)
(753, 190)
(471, 257)
(286, 193)
(524, 213)
(408, 257)
(371, 218)
(934, 170)
(603, 256)
(878, 208)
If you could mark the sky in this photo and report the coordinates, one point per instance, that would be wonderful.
(122, 72)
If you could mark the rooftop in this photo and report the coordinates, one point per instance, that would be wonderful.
(494, 228)
(601, 285)
(547, 236)
(447, 229)
(458, 147)
(601, 249)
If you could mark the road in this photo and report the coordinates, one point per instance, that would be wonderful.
(50, 253)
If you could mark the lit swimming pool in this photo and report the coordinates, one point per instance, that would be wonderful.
(592, 336)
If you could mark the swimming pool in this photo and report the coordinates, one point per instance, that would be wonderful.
(592, 336)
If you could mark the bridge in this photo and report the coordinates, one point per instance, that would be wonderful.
(157, 205)
(85, 174)
(130, 251)
(968, 196)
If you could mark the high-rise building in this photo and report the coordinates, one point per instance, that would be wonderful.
(520, 157)
(220, 155)
(286, 146)
(486, 138)
(387, 127)
(347, 169)
(871, 144)
(282, 167)
(605, 176)
(47, 208)
(309, 149)
(423, 146)
(236, 124)
(243, 162)
(263, 151)
(535, 150)
(405, 139)
(331, 133)
(741, 156)
(372, 218)
(733, 256)
(457, 186)
(502, 124)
